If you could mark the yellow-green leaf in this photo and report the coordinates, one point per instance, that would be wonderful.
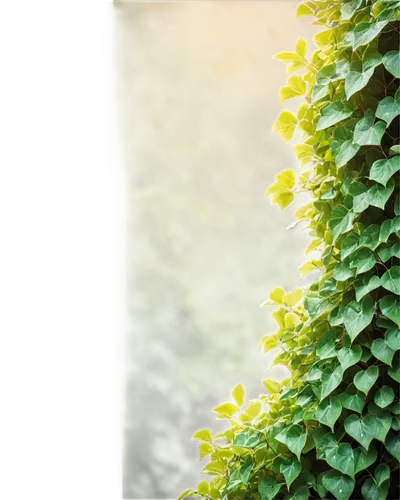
(309, 266)
(277, 295)
(185, 493)
(253, 408)
(286, 178)
(217, 466)
(226, 409)
(205, 449)
(238, 394)
(272, 386)
(285, 125)
(303, 10)
(203, 435)
(285, 199)
(301, 47)
(291, 298)
(202, 488)
(297, 84)
(287, 57)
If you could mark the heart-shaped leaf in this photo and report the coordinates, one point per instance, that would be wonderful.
(362, 429)
(349, 356)
(294, 437)
(342, 458)
(382, 351)
(390, 307)
(290, 469)
(329, 411)
(341, 486)
(365, 379)
(330, 379)
(384, 397)
(358, 315)
(352, 399)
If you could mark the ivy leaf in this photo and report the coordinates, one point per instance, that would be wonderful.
(342, 458)
(349, 356)
(349, 245)
(358, 315)
(356, 80)
(363, 33)
(294, 437)
(392, 338)
(334, 113)
(392, 444)
(342, 271)
(391, 61)
(341, 486)
(362, 429)
(378, 195)
(387, 110)
(226, 410)
(352, 399)
(330, 379)
(245, 470)
(365, 285)
(388, 227)
(391, 280)
(369, 238)
(343, 146)
(394, 371)
(290, 469)
(329, 411)
(285, 125)
(372, 491)
(371, 59)
(269, 488)
(365, 379)
(389, 251)
(382, 170)
(382, 425)
(363, 260)
(364, 458)
(390, 307)
(382, 351)
(341, 221)
(203, 435)
(348, 9)
(384, 397)
(368, 133)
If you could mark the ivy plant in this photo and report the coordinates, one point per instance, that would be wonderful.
(331, 429)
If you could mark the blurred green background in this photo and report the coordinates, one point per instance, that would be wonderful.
(198, 94)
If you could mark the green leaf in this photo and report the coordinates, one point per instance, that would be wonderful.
(363, 33)
(388, 227)
(391, 61)
(368, 133)
(392, 338)
(269, 488)
(391, 280)
(369, 238)
(290, 469)
(392, 444)
(301, 493)
(341, 486)
(365, 379)
(384, 397)
(349, 245)
(342, 458)
(390, 307)
(383, 423)
(387, 110)
(330, 379)
(362, 429)
(334, 113)
(352, 399)
(356, 80)
(394, 371)
(348, 9)
(363, 260)
(371, 491)
(382, 474)
(294, 437)
(245, 470)
(349, 356)
(378, 195)
(343, 146)
(364, 458)
(365, 285)
(382, 351)
(329, 411)
(382, 170)
(371, 59)
(342, 271)
(387, 252)
(341, 221)
(358, 315)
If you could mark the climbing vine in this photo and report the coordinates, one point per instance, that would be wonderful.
(330, 430)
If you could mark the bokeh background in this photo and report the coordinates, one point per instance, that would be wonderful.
(198, 95)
